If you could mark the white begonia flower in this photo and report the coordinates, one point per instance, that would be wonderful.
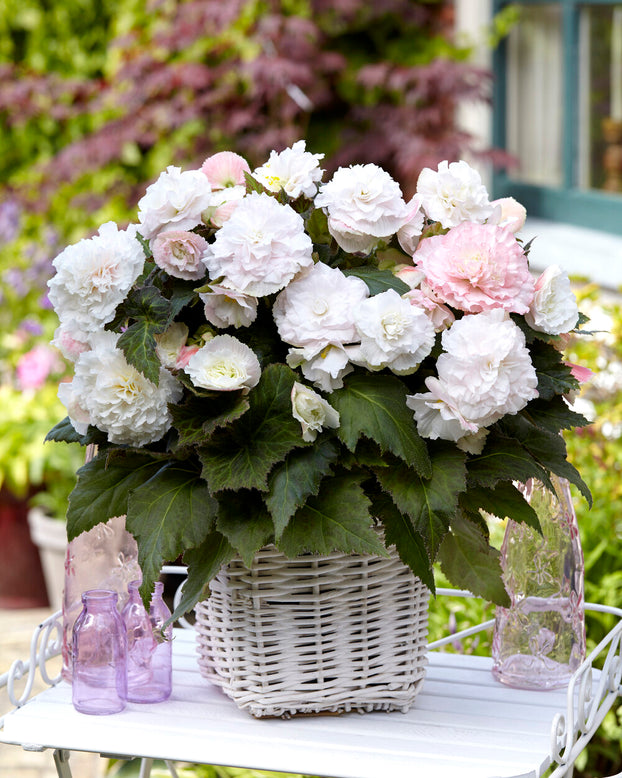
(325, 367)
(317, 308)
(364, 205)
(260, 248)
(409, 233)
(174, 202)
(120, 401)
(224, 364)
(554, 308)
(484, 373)
(393, 333)
(453, 194)
(312, 411)
(228, 307)
(76, 411)
(170, 343)
(223, 203)
(294, 170)
(93, 276)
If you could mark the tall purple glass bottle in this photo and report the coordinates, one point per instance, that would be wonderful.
(539, 641)
(149, 661)
(99, 648)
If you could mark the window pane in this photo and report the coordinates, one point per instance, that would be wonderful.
(601, 98)
(535, 94)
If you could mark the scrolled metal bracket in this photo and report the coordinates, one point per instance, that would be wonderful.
(46, 642)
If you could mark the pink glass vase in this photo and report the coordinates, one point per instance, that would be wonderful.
(105, 557)
(149, 658)
(99, 650)
(539, 641)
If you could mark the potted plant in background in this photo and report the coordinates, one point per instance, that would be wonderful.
(267, 360)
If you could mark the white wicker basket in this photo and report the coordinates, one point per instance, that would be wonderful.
(315, 634)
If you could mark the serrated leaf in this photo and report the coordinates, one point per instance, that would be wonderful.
(317, 227)
(504, 501)
(554, 375)
(242, 456)
(378, 280)
(245, 522)
(167, 514)
(503, 460)
(430, 503)
(298, 478)
(198, 417)
(399, 532)
(103, 488)
(338, 519)
(471, 563)
(553, 415)
(145, 244)
(203, 562)
(252, 185)
(152, 315)
(65, 432)
(374, 407)
(547, 448)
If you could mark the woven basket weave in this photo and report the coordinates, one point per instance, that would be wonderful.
(315, 634)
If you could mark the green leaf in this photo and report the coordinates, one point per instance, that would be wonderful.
(503, 500)
(145, 244)
(399, 532)
(298, 478)
(430, 503)
(374, 406)
(252, 185)
(503, 460)
(471, 563)
(378, 280)
(242, 455)
(198, 417)
(65, 432)
(245, 522)
(338, 519)
(554, 375)
(103, 489)
(553, 415)
(317, 227)
(203, 563)
(152, 314)
(547, 448)
(167, 514)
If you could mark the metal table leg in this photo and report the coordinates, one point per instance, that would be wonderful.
(61, 760)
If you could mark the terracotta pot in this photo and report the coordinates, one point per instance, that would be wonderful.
(21, 577)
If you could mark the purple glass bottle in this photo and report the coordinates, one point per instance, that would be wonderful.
(149, 662)
(99, 649)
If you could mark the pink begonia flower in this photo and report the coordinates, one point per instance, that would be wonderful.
(67, 341)
(477, 268)
(184, 356)
(35, 366)
(580, 372)
(223, 205)
(179, 253)
(225, 169)
(508, 212)
(440, 314)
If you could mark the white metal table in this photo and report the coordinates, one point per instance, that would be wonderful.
(463, 722)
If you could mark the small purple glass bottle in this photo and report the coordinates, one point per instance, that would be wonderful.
(149, 658)
(99, 649)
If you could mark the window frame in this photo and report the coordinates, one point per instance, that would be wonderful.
(568, 203)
